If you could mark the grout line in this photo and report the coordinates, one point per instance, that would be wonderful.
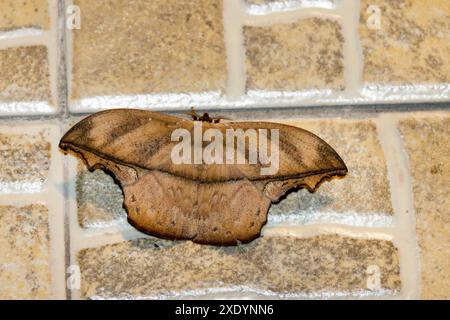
(23, 32)
(55, 202)
(234, 44)
(53, 52)
(33, 39)
(351, 218)
(24, 199)
(349, 11)
(245, 292)
(290, 16)
(62, 71)
(402, 202)
(83, 240)
(68, 49)
(67, 238)
(72, 221)
(285, 6)
(63, 107)
(308, 231)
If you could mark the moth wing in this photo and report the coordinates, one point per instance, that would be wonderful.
(143, 140)
(305, 160)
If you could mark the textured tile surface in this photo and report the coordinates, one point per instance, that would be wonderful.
(24, 253)
(24, 74)
(313, 61)
(99, 199)
(148, 47)
(16, 14)
(363, 195)
(412, 45)
(429, 152)
(145, 268)
(288, 206)
(25, 161)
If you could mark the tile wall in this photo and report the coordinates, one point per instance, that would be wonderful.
(371, 77)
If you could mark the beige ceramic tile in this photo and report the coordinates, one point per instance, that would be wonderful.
(287, 266)
(314, 60)
(16, 14)
(25, 161)
(428, 147)
(24, 74)
(363, 196)
(412, 45)
(24, 253)
(99, 199)
(148, 47)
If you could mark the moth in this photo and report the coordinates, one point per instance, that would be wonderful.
(206, 180)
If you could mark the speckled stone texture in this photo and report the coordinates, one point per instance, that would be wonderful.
(24, 74)
(412, 46)
(96, 211)
(282, 266)
(428, 146)
(25, 161)
(288, 206)
(24, 253)
(147, 47)
(363, 194)
(16, 14)
(313, 61)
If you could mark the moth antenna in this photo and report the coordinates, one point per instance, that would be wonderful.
(195, 116)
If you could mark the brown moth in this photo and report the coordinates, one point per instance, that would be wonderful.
(214, 203)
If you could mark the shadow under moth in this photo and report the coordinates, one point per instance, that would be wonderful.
(206, 180)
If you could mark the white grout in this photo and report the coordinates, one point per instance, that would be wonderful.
(353, 56)
(53, 52)
(308, 231)
(350, 218)
(286, 6)
(69, 50)
(55, 203)
(291, 16)
(30, 37)
(402, 202)
(233, 14)
(248, 292)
